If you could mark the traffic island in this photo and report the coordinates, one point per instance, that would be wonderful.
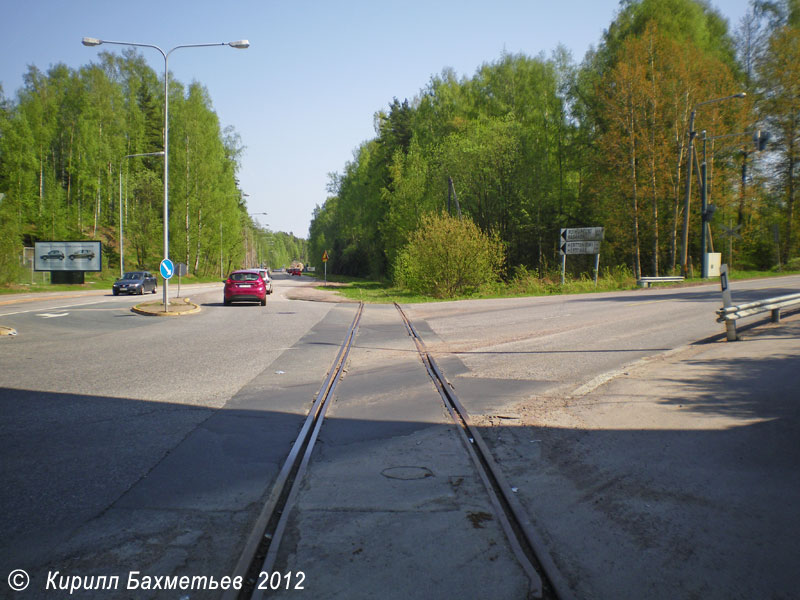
(177, 308)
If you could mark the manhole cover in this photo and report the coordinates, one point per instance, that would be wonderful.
(407, 473)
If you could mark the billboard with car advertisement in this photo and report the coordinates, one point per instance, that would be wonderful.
(67, 256)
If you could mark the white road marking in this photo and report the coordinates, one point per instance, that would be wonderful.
(20, 312)
(105, 299)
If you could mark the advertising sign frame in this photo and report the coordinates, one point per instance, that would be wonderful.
(85, 255)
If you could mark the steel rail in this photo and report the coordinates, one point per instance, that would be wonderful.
(261, 548)
(525, 541)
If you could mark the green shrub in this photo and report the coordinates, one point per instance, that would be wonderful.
(10, 248)
(793, 264)
(447, 257)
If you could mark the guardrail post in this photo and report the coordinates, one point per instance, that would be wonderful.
(730, 324)
(730, 328)
(730, 313)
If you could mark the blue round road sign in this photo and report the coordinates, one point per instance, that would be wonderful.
(167, 268)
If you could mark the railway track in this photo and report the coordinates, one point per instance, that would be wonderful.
(263, 543)
(262, 547)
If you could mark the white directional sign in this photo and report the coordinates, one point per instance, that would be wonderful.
(580, 248)
(167, 269)
(580, 240)
(580, 234)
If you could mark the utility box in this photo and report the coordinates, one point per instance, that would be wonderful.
(713, 260)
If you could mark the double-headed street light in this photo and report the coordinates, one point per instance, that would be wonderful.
(692, 133)
(240, 44)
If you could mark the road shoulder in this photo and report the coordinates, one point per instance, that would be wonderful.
(676, 478)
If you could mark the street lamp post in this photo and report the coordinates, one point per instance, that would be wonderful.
(245, 237)
(121, 244)
(692, 133)
(760, 139)
(240, 44)
(705, 214)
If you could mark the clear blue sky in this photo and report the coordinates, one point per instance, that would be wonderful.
(303, 95)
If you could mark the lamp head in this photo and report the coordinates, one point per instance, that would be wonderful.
(240, 44)
(87, 41)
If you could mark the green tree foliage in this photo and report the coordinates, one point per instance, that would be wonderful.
(284, 249)
(643, 103)
(692, 22)
(448, 256)
(64, 140)
(780, 111)
(503, 138)
(532, 145)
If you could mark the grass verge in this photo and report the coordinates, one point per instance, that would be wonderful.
(381, 292)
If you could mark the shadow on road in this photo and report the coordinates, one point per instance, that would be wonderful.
(108, 484)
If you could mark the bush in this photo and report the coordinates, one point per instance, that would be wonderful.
(10, 248)
(447, 257)
(793, 264)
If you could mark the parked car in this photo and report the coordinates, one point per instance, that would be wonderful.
(245, 285)
(53, 255)
(134, 282)
(82, 254)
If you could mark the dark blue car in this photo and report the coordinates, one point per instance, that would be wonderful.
(135, 282)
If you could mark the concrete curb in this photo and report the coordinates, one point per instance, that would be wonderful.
(143, 309)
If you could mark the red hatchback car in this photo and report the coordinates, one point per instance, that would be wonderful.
(245, 285)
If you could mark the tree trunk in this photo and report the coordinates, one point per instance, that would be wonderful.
(637, 266)
(199, 237)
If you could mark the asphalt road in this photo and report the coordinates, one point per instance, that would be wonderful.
(656, 459)
(116, 453)
(144, 443)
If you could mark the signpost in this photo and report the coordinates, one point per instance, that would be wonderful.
(325, 262)
(578, 234)
(580, 240)
(180, 269)
(580, 248)
(167, 268)
(167, 271)
(727, 301)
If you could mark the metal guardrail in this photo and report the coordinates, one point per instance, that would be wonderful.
(729, 313)
(646, 281)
